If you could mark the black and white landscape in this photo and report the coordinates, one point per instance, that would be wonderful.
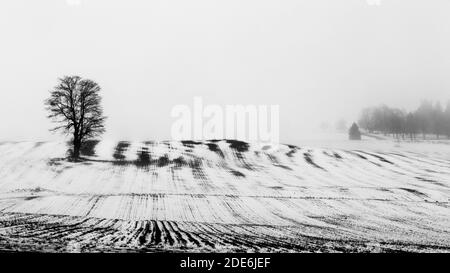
(219, 196)
(225, 126)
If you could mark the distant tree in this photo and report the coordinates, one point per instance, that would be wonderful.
(425, 115)
(341, 126)
(447, 120)
(411, 125)
(397, 121)
(427, 119)
(75, 105)
(354, 133)
(367, 120)
(438, 120)
(382, 115)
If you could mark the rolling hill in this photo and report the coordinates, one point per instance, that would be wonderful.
(221, 195)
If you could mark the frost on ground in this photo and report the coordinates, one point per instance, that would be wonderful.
(219, 196)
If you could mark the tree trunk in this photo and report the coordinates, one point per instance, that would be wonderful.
(76, 148)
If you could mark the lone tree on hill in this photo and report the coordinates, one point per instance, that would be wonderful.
(354, 132)
(75, 105)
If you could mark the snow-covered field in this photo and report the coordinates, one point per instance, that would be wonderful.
(220, 196)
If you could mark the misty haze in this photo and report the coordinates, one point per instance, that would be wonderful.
(225, 126)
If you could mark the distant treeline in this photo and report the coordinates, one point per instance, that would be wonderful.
(428, 118)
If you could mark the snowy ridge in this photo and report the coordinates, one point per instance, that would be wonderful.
(219, 196)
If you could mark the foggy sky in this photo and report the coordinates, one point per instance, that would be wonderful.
(320, 60)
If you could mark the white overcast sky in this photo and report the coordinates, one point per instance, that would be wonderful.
(318, 59)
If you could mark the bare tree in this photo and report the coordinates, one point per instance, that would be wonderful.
(367, 119)
(427, 119)
(447, 119)
(411, 125)
(75, 105)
